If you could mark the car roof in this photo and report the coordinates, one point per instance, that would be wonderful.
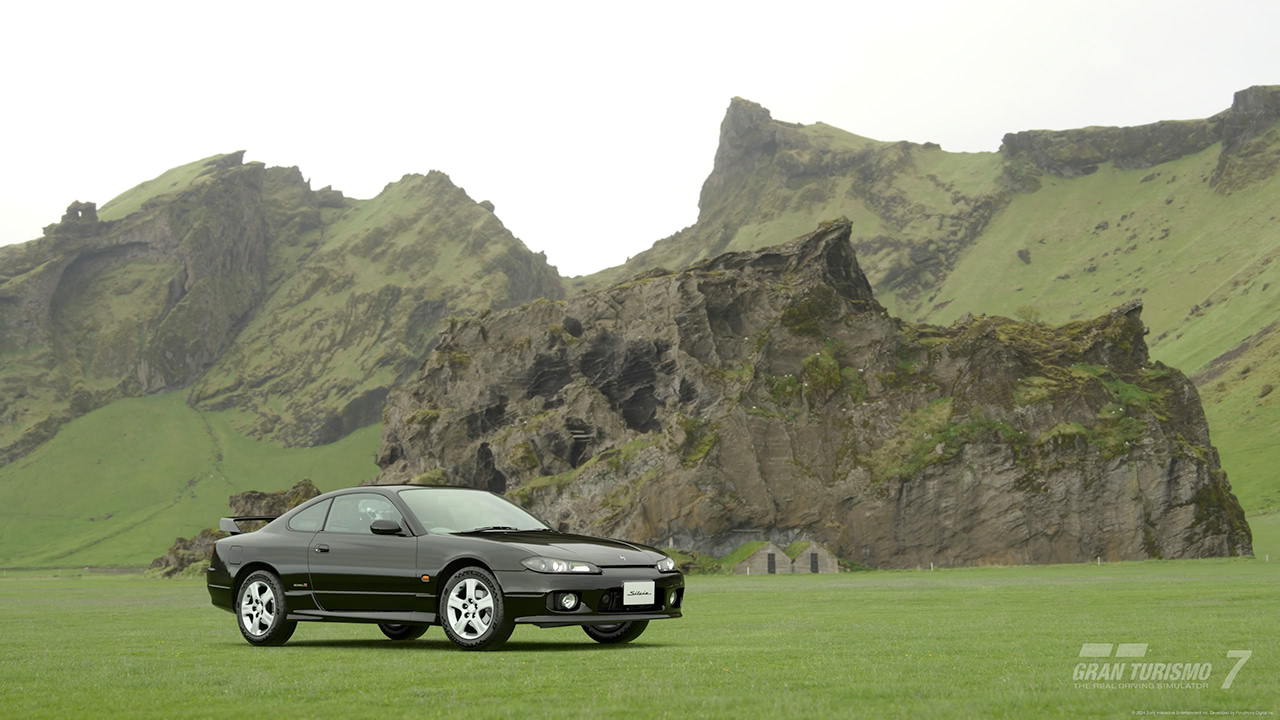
(399, 486)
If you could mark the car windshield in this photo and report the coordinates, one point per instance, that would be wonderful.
(454, 510)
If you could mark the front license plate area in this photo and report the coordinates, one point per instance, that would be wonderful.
(637, 593)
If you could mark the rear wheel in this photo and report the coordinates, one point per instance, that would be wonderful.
(402, 632)
(472, 611)
(261, 610)
(617, 632)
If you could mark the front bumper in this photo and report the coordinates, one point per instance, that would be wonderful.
(530, 596)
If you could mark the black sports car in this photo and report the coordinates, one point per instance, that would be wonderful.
(407, 557)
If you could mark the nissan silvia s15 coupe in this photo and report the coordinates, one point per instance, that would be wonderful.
(407, 557)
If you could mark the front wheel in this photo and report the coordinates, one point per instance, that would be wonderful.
(402, 632)
(261, 610)
(617, 632)
(472, 611)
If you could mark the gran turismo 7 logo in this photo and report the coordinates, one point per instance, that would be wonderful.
(1124, 666)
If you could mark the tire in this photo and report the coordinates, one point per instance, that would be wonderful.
(261, 611)
(617, 633)
(402, 632)
(472, 611)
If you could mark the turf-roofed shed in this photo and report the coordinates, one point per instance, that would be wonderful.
(807, 556)
(758, 558)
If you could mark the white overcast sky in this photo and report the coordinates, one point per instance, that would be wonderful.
(592, 125)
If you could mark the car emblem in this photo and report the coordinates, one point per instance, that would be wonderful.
(622, 558)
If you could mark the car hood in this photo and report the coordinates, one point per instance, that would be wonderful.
(601, 552)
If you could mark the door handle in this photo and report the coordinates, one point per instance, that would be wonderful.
(322, 548)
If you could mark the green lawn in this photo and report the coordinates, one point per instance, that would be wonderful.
(984, 642)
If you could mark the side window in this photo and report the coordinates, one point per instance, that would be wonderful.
(311, 519)
(354, 513)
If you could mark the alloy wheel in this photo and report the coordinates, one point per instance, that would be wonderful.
(470, 608)
(257, 608)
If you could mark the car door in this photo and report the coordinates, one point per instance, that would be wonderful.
(353, 570)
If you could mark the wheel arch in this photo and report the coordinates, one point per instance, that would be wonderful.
(457, 564)
(246, 571)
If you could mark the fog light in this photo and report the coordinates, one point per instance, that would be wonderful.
(568, 601)
(672, 601)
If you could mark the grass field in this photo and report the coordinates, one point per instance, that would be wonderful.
(983, 642)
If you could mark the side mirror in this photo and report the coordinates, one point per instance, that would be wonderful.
(385, 527)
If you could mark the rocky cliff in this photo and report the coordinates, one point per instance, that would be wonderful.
(769, 392)
(97, 310)
(294, 309)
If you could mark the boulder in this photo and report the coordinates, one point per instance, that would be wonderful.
(189, 556)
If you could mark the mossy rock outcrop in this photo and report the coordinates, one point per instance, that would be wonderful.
(769, 390)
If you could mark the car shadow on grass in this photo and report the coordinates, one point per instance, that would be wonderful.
(446, 646)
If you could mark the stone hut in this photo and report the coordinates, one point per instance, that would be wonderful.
(763, 558)
(807, 556)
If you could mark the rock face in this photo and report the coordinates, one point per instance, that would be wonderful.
(769, 391)
(1250, 139)
(1070, 153)
(193, 552)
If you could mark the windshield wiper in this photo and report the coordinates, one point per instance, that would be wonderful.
(487, 528)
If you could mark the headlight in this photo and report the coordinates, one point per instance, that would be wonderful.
(666, 564)
(553, 565)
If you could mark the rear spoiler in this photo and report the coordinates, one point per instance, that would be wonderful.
(231, 524)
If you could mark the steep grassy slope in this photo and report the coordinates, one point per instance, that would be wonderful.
(117, 485)
(171, 182)
(1245, 416)
(1079, 245)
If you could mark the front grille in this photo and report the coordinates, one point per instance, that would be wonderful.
(611, 601)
